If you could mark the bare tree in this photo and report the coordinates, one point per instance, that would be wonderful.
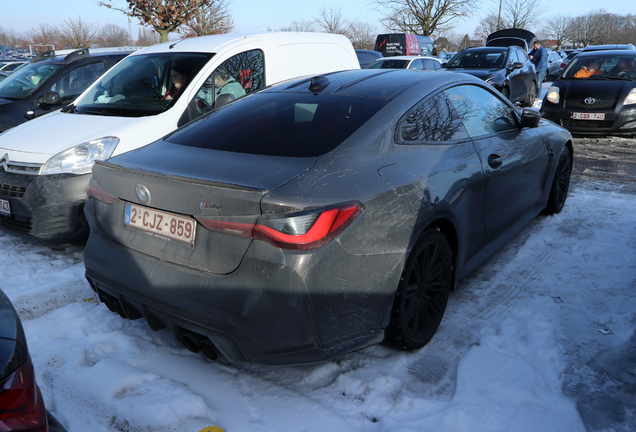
(45, 35)
(559, 29)
(331, 21)
(165, 16)
(362, 35)
(215, 19)
(522, 13)
(423, 17)
(78, 33)
(465, 43)
(589, 29)
(147, 37)
(112, 35)
(300, 26)
(489, 24)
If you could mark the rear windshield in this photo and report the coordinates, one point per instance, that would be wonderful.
(281, 124)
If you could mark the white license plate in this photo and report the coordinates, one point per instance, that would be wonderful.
(587, 116)
(5, 208)
(162, 223)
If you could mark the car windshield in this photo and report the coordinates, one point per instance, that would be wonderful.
(602, 67)
(480, 59)
(25, 80)
(142, 85)
(281, 124)
(389, 64)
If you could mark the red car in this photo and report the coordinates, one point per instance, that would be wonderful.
(21, 404)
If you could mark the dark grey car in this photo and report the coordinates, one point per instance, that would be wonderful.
(326, 214)
(507, 69)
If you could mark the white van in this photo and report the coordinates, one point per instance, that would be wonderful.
(45, 164)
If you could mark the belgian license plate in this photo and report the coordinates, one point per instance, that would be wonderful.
(587, 116)
(5, 208)
(161, 223)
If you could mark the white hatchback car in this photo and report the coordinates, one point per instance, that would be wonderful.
(407, 62)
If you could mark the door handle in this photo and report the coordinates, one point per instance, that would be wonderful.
(495, 161)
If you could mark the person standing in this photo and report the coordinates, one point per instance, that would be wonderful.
(539, 58)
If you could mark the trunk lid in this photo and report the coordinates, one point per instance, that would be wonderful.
(508, 37)
(191, 183)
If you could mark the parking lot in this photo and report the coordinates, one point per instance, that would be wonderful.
(540, 337)
(520, 349)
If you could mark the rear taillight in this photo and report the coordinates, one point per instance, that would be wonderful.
(101, 195)
(21, 405)
(298, 231)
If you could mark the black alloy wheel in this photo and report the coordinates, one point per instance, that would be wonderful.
(560, 184)
(505, 92)
(531, 95)
(422, 295)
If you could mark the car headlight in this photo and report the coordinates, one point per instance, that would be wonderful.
(553, 95)
(631, 97)
(80, 158)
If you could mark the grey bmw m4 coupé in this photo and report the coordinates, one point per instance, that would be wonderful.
(320, 215)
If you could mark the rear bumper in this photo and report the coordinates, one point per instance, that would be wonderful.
(277, 307)
(49, 208)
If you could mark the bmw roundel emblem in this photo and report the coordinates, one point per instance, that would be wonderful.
(142, 193)
(589, 100)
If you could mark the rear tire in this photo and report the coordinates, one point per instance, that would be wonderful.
(423, 291)
(560, 184)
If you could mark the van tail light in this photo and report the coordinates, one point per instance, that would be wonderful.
(297, 231)
(21, 404)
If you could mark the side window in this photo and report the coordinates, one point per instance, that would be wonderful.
(482, 112)
(237, 76)
(434, 120)
(76, 81)
(416, 64)
(431, 64)
(523, 57)
(513, 57)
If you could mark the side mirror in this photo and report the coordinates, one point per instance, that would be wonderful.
(516, 65)
(49, 98)
(530, 118)
(223, 99)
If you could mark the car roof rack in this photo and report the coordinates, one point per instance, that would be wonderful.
(76, 55)
(43, 56)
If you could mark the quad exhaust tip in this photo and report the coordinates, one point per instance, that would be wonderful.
(195, 342)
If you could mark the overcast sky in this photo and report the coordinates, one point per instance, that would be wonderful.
(259, 15)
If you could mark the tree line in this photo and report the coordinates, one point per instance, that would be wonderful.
(435, 18)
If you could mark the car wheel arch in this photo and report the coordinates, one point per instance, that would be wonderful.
(446, 226)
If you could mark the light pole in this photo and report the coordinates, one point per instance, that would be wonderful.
(499, 16)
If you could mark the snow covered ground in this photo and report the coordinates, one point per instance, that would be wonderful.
(540, 338)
